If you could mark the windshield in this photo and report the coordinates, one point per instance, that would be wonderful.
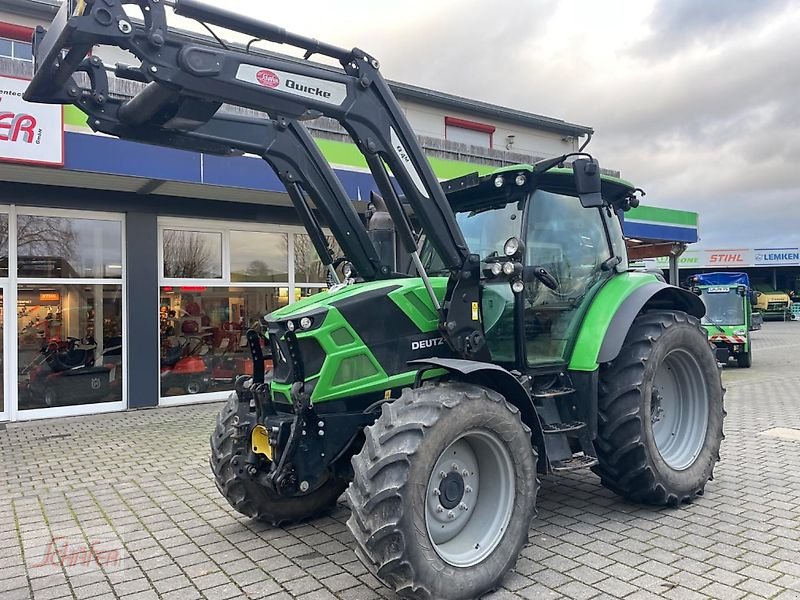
(723, 307)
(485, 231)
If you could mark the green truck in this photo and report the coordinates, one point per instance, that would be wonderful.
(728, 320)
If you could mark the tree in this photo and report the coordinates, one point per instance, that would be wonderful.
(190, 254)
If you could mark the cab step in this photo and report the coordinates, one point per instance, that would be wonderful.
(567, 428)
(553, 393)
(573, 464)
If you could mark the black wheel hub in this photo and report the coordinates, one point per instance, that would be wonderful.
(451, 490)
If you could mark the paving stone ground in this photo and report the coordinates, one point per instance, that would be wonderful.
(135, 487)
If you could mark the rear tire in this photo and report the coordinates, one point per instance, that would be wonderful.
(660, 412)
(477, 440)
(229, 447)
(745, 359)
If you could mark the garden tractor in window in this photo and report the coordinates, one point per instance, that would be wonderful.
(516, 344)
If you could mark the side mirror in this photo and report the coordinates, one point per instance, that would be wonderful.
(753, 298)
(587, 182)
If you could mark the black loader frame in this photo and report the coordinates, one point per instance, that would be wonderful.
(187, 83)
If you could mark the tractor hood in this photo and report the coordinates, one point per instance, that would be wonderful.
(320, 302)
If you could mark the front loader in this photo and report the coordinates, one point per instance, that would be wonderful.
(517, 345)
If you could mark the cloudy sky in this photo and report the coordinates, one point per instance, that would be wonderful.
(698, 102)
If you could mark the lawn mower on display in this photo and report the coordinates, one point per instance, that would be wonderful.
(515, 343)
(64, 372)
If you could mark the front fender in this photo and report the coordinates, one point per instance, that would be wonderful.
(500, 380)
(613, 310)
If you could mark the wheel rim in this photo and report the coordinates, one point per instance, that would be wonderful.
(49, 397)
(679, 409)
(193, 387)
(470, 498)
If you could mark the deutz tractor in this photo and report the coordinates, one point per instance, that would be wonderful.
(487, 331)
(728, 298)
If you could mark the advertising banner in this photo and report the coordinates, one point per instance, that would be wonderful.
(29, 133)
(732, 258)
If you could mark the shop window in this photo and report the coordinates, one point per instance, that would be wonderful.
(203, 343)
(259, 256)
(62, 247)
(192, 254)
(6, 48)
(70, 345)
(307, 266)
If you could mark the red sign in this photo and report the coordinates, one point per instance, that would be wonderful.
(268, 79)
(29, 133)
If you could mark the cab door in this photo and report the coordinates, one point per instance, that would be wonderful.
(573, 245)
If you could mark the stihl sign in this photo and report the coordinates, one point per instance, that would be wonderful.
(725, 258)
(29, 133)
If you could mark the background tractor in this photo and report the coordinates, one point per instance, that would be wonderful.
(515, 344)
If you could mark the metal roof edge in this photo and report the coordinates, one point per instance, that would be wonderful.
(47, 8)
(438, 98)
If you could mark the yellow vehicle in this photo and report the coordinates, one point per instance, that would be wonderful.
(771, 303)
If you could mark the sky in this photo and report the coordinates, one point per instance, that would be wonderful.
(697, 102)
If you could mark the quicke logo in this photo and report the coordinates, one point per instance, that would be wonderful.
(314, 91)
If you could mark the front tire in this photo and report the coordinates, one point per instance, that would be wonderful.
(745, 359)
(229, 447)
(660, 412)
(444, 492)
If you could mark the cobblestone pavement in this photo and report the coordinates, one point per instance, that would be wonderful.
(123, 484)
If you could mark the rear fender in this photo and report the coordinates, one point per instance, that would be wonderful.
(653, 296)
(501, 381)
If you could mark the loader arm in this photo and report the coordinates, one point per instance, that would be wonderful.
(187, 82)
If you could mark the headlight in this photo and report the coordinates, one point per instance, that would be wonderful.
(496, 269)
(498, 181)
(508, 268)
(520, 180)
(517, 287)
(740, 332)
(511, 247)
(290, 325)
(306, 323)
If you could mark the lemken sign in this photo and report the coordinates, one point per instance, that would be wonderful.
(29, 133)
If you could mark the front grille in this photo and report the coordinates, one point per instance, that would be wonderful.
(777, 306)
(281, 366)
(310, 353)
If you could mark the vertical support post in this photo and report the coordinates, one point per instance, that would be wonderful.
(774, 279)
(142, 345)
(673, 269)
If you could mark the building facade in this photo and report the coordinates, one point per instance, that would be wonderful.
(130, 273)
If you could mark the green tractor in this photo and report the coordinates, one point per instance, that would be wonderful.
(487, 330)
(729, 299)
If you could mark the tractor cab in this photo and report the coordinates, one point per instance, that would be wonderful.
(728, 299)
(543, 257)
